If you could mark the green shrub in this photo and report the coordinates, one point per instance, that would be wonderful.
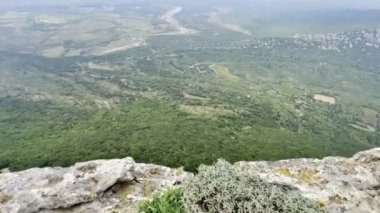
(221, 188)
(4, 163)
(169, 202)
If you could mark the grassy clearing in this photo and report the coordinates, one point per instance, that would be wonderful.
(224, 73)
(117, 46)
(289, 89)
(370, 116)
(206, 112)
(194, 97)
(102, 66)
(324, 98)
(54, 52)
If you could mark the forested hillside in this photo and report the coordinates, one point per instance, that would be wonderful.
(182, 86)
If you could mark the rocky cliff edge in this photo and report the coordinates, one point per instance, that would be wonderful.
(336, 183)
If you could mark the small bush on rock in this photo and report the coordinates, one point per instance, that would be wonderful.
(222, 189)
(169, 202)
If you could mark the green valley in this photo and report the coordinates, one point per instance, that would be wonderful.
(163, 85)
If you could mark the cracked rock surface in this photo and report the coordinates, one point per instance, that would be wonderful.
(339, 184)
(95, 186)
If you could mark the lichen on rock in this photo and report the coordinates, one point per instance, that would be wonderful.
(339, 184)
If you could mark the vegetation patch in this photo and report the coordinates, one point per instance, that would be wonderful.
(4, 163)
(363, 127)
(307, 175)
(222, 188)
(148, 188)
(370, 116)
(5, 198)
(336, 198)
(194, 97)
(289, 90)
(126, 191)
(224, 73)
(206, 112)
(54, 52)
(179, 172)
(321, 203)
(150, 131)
(168, 202)
(286, 172)
(102, 66)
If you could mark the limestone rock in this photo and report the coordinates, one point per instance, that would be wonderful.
(96, 186)
(339, 184)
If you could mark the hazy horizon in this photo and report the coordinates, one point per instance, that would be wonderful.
(268, 4)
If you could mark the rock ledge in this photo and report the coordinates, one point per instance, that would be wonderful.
(339, 184)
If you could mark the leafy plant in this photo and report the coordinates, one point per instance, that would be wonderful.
(169, 202)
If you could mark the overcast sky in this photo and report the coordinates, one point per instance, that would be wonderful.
(317, 4)
(344, 4)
